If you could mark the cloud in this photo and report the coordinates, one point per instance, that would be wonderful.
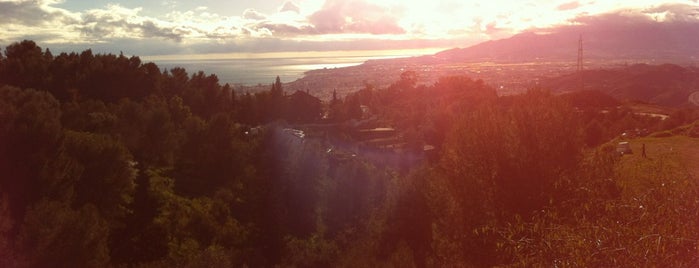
(169, 3)
(128, 29)
(32, 13)
(21, 12)
(660, 15)
(290, 6)
(492, 29)
(666, 26)
(286, 30)
(151, 29)
(354, 16)
(288, 45)
(120, 22)
(568, 6)
(674, 12)
(335, 24)
(252, 14)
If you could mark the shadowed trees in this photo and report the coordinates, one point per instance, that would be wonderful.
(108, 161)
(30, 136)
(514, 154)
(302, 107)
(25, 65)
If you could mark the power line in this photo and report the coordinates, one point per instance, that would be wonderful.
(580, 62)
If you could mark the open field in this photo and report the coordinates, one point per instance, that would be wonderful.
(680, 153)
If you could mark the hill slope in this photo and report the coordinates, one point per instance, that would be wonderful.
(680, 152)
(667, 84)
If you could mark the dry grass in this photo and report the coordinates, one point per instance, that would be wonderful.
(680, 152)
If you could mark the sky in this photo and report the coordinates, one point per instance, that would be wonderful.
(175, 27)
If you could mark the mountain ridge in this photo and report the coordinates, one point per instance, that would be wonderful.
(608, 41)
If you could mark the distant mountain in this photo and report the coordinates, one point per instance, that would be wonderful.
(667, 84)
(669, 42)
(610, 40)
(522, 47)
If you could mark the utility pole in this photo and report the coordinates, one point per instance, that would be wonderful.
(580, 63)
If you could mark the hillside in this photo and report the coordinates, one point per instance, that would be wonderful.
(678, 152)
(676, 149)
(667, 84)
(181, 171)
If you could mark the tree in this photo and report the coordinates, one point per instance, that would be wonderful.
(302, 108)
(521, 151)
(30, 135)
(176, 82)
(2, 70)
(201, 231)
(7, 252)
(408, 80)
(212, 156)
(54, 234)
(106, 174)
(204, 95)
(277, 90)
(353, 107)
(26, 66)
(150, 129)
(276, 104)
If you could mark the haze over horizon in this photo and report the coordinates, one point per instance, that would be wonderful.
(214, 26)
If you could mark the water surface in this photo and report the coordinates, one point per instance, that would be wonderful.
(263, 68)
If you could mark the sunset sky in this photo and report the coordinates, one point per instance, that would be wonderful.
(166, 27)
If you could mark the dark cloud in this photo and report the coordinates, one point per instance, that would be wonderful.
(285, 30)
(150, 29)
(38, 38)
(290, 6)
(30, 13)
(354, 16)
(568, 6)
(21, 12)
(98, 25)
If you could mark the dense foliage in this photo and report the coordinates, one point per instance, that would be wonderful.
(107, 161)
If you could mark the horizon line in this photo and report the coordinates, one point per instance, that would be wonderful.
(373, 53)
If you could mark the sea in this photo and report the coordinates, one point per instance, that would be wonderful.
(252, 69)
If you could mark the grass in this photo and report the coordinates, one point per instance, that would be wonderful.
(652, 223)
(667, 158)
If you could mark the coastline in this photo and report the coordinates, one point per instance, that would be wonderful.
(253, 69)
